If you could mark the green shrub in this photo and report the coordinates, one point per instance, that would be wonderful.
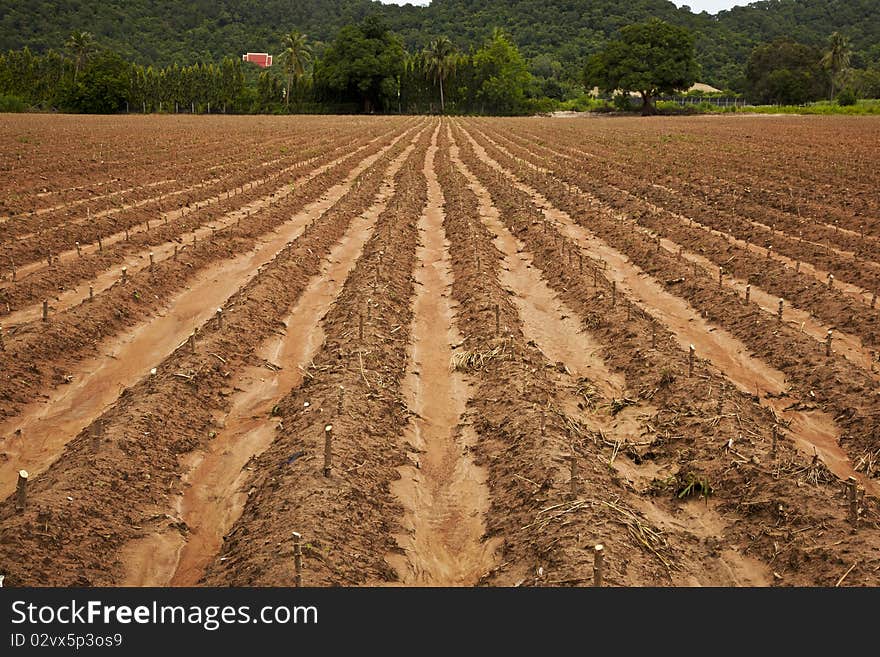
(847, 98)
(12, 104)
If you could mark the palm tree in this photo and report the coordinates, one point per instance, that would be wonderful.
(440, 62)
(836, 60)
(82, 45)
(296, 56)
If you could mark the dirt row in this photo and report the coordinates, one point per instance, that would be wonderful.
(739, 200)
(66, 163)
(132, 249)
(40, 355)
(729, 159)
(627, 192)
(681, 448)
(56, 235)
(831, 307)
(137, 462)
(813, 380)
(347, 519)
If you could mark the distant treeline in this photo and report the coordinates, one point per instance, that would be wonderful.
(366, 68)
(562, 32)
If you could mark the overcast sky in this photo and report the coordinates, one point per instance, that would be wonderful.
(712, 6)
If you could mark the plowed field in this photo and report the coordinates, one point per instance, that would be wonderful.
(445, 352)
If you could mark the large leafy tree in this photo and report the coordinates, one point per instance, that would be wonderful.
(649, 58)
(502, 75)
(785, 72)
(836, 59)
(440, 61)
(82, 46)
(362, 64)
(294, 59)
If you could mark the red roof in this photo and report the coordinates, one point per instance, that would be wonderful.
(261, 59)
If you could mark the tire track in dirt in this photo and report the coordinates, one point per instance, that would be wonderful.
(852, 290)
(97, 381)
(848, 345)
(810, 430)
(213, 498)
(444, 495)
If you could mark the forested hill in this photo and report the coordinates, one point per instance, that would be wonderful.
(162, 32)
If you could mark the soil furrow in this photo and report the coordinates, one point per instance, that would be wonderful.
(347, 519)
(444, 493)
(810, 429)
(213, 498)
(33, 437)
(160, 420)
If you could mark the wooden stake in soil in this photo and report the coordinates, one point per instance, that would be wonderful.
(192, 342)
(720, 276)
(691, 353)
(328, 449)
(91, 293)
(340, 401)
(97, 432)
(828, 337)
(598, 564)
(297, 559)
(124, 274)
(852, 495)
(219, 318)
(748, 293)
(100, 245)
(779, 311)
(830, 281)
(45, 311)
(613, 293)
(78, 250)
(152, 261)
(497, 321)
(21, 491)
(175, 252)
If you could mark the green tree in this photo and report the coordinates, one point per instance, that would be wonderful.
(440, 61)
(502, 75)
(836, 59)
(785, 72)
(362, 64)
(81, 46)
(650, 58)
(102, 88)
(295, 58)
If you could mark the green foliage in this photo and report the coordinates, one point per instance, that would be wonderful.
(364, 63)
(503, 74)
(10, 104)
(101, 88)
(649, 58)
(785, 72)
(847, 98)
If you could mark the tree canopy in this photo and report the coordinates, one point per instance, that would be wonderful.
(649, 58)
(785, 72)
(363, 64)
